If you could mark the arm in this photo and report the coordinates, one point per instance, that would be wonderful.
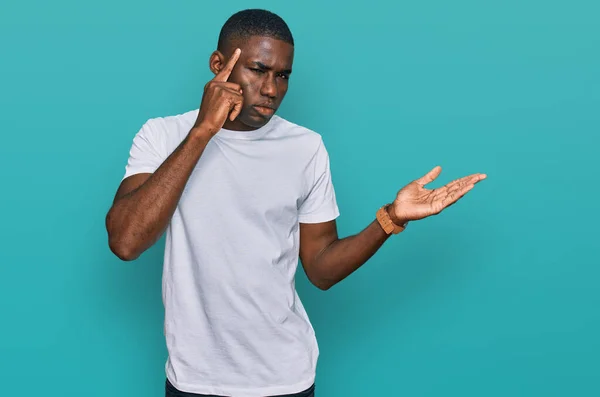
(145, 203)
(327, 260)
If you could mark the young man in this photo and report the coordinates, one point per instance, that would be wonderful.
(242, 194)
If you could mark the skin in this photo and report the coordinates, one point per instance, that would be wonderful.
(262, 72)
(328, 259)
(259, 75)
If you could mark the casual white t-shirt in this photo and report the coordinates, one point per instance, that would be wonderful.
(234, 323)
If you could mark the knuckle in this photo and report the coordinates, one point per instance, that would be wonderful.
(213, 86)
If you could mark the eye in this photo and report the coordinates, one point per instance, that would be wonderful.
(259, 71)
(284, 76)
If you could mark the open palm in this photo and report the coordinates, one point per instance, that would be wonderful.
(415, 202)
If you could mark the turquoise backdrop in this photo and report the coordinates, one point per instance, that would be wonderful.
(497, 296)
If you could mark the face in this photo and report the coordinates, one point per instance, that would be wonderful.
(263, 71)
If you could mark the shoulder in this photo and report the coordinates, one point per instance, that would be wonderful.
(303, 138)
(167, 132)
(171, 124)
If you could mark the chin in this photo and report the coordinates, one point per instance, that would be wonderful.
(255, 121)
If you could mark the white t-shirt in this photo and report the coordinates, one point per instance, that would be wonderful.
(234, 324)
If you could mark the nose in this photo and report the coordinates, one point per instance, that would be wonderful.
(269, 87)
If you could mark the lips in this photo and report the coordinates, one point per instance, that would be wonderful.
(265, 110)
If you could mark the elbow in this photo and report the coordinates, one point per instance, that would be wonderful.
(118, 245)
(322, 281)
(323, 284)
(123, 251)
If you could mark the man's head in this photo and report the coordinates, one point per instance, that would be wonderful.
(264, 65)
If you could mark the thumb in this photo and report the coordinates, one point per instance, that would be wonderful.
(430, 176)
(237, 109)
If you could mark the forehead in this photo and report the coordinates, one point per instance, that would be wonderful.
(268, 51)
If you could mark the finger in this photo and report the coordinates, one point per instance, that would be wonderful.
(456, 195)
(430, 176)
(236, 100)
(462, 184)
(447, 198)
(230, 86)
(455, 190)
(466, 180)
(476, 178)
(457, 184)
(223, 75)
(452, 195)
(233, 91)
(237, 109)
(460, 181)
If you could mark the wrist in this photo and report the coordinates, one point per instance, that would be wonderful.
(397, 221)
(201, 133)
(387, 220)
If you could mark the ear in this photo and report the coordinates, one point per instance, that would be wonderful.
(216, 62)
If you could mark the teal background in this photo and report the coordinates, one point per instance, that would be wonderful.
(497, 296)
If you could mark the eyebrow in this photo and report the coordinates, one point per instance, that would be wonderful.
(265, 67)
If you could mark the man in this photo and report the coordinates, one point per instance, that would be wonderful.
(242, 194)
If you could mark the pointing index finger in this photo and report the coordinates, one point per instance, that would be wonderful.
(223, 75)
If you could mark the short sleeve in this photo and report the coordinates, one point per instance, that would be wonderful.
(320, 204)
(147, 151)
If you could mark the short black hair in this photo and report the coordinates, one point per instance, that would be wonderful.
(254, 22)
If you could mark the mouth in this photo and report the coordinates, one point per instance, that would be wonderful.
(264, 110)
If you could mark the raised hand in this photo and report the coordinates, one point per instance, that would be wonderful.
(221, 99)
(415, 202)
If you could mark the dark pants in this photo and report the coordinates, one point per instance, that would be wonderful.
(171, 391)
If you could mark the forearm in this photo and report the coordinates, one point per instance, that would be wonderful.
(342, 257)
(138, 218)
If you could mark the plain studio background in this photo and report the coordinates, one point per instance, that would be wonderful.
(498, 296)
